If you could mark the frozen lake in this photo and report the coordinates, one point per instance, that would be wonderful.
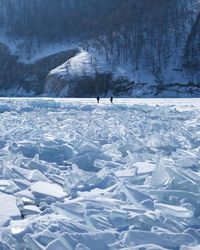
(76, 175)
(195, 102)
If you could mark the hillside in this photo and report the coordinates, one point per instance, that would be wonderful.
(127, 48)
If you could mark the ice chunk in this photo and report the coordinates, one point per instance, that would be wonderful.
(8, 186)
(82, 247)
(86, 146)
(112, 152)
(144, 167)
(190, 247)
(22, 184)
(26, 196)
(74, 180)
(39, 165)
(8, 207)
(126, 173)
(175, 211)
(56, 179)
(43, 166)
(171, 241)
(145, 247)
(5, 246)
(180, 180)
(13, 172)
(51, 154)
(194, 233)
(185, 158)
(5, 107)
(160, 176)
(95, 192)
(30, 210)
(85, 162)
(124, 149)
(97, 220)
(68, 151)
(28, 148)
(44, 189)
(135, 196)
(97, 240)
(120, 219)
(36, 175)
(2, 143)
(101, 179)
(108, 164)
(31, 243)
(165, 195)
(4, 221)
(71, 209)
(58, 244)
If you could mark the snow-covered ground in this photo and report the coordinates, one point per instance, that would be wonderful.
(76, 175)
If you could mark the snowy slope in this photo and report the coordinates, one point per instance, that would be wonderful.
(88, 63)
(77, 175)
(81, 64)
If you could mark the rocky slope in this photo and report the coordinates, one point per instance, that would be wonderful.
(21, 79)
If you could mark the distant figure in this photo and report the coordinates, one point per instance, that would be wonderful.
(98, 99)
(111, 99)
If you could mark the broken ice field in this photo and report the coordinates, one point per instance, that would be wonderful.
(80, 176)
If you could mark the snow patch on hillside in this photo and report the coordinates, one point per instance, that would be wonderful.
(88, 63)
(82, 64)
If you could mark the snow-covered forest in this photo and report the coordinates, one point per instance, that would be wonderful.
(149, 48)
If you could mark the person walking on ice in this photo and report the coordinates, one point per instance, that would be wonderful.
(111, 99)
(98, 99)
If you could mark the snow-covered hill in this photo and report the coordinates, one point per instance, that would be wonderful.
(149, 58)
(131, 48)
(90, 70)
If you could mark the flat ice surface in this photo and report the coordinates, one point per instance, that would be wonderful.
(8, 207)
(47, 189)
(78, 175)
